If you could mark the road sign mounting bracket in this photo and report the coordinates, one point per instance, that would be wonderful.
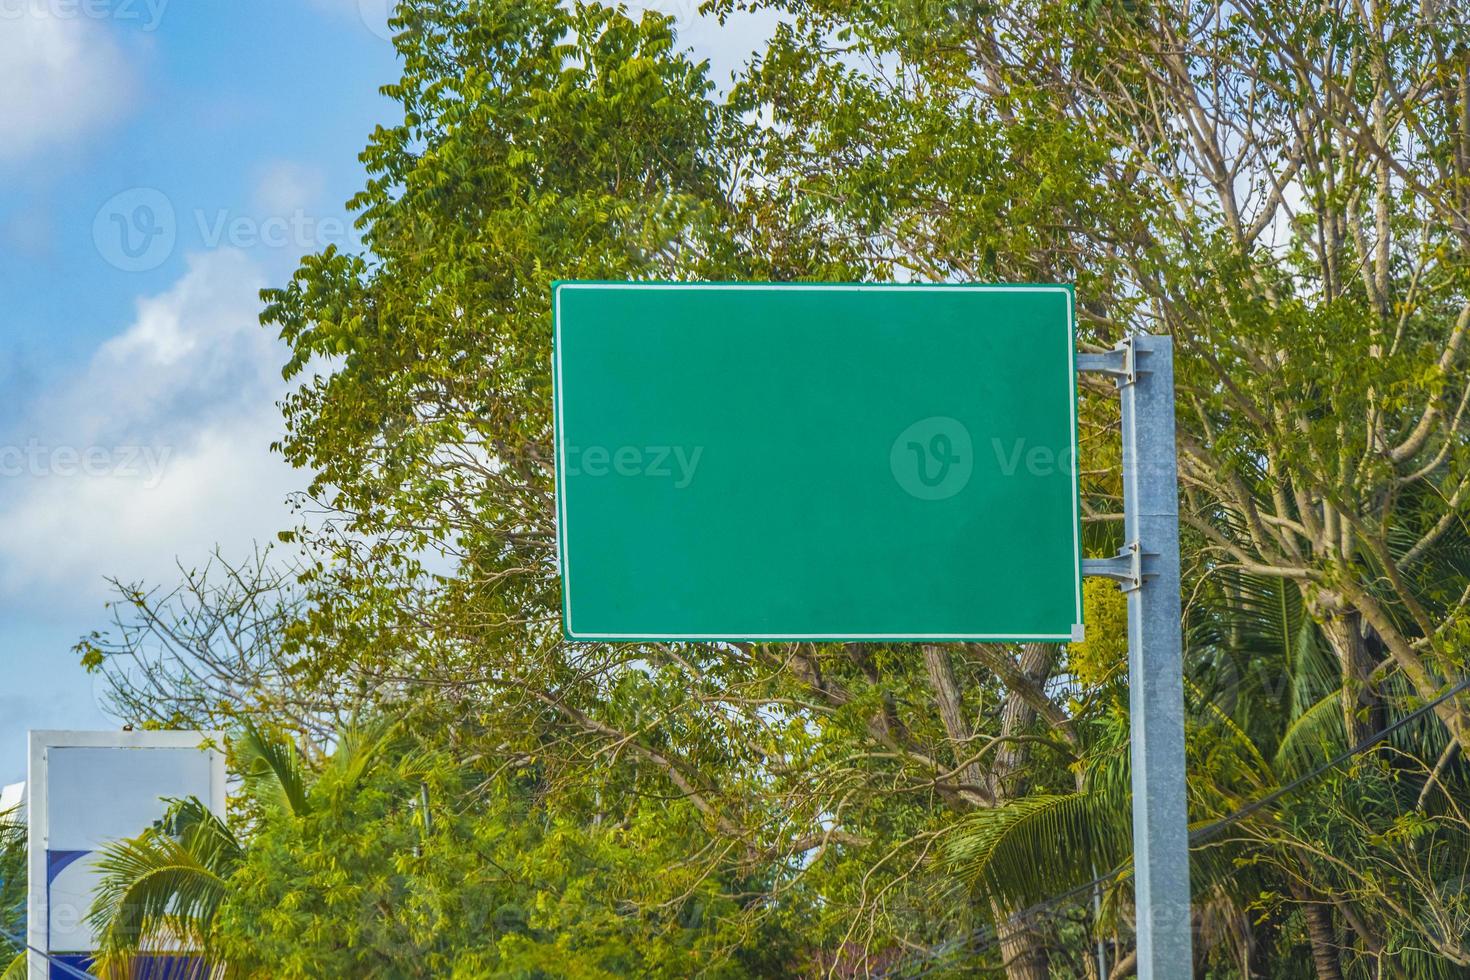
(1120, 363)
(1129, 567)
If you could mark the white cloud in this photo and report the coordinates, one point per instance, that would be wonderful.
(285, 188)
(60, 78)
(158, 450)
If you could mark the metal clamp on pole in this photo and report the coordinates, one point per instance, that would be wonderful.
(1120, 363)
(1128, 567)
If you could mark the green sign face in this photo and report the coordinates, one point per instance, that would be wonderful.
(816, 462)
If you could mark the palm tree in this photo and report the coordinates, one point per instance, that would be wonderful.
(1266, 707)
(1040, 846)
(1269, 703)
(161, 892)
(12, 896)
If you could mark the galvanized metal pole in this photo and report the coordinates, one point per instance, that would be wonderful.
(1156, 666)
(1148, 572)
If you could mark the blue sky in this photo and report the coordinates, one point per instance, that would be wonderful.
(160, 162)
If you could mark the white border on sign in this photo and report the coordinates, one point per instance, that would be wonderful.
(561, 488)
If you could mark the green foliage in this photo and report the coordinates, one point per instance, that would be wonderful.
(271, 768)
(365, 890)
(12, 890)
(376, 868)
(1103, 656)
(1010, 852)
(545, 809)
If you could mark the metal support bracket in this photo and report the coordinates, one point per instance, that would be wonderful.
(1129, 567)
(1120, 363)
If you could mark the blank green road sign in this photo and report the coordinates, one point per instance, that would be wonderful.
(744, 461)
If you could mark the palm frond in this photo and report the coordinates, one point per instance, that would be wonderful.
(203, 834)
(1033, 847)
(1312, 737)
(1238, 737)
(1315, 672)
(161, 891)
(272, 768)
(17, 968)
(359, 749)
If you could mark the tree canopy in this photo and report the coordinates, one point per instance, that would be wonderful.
(1284, 191)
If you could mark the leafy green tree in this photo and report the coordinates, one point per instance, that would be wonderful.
(164, 889)
(366, 862)
(1283, 190)
(582, 143)
(1369, 856)
(392, 881)
(1298, 224)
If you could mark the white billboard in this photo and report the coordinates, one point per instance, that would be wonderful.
(88, 788)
